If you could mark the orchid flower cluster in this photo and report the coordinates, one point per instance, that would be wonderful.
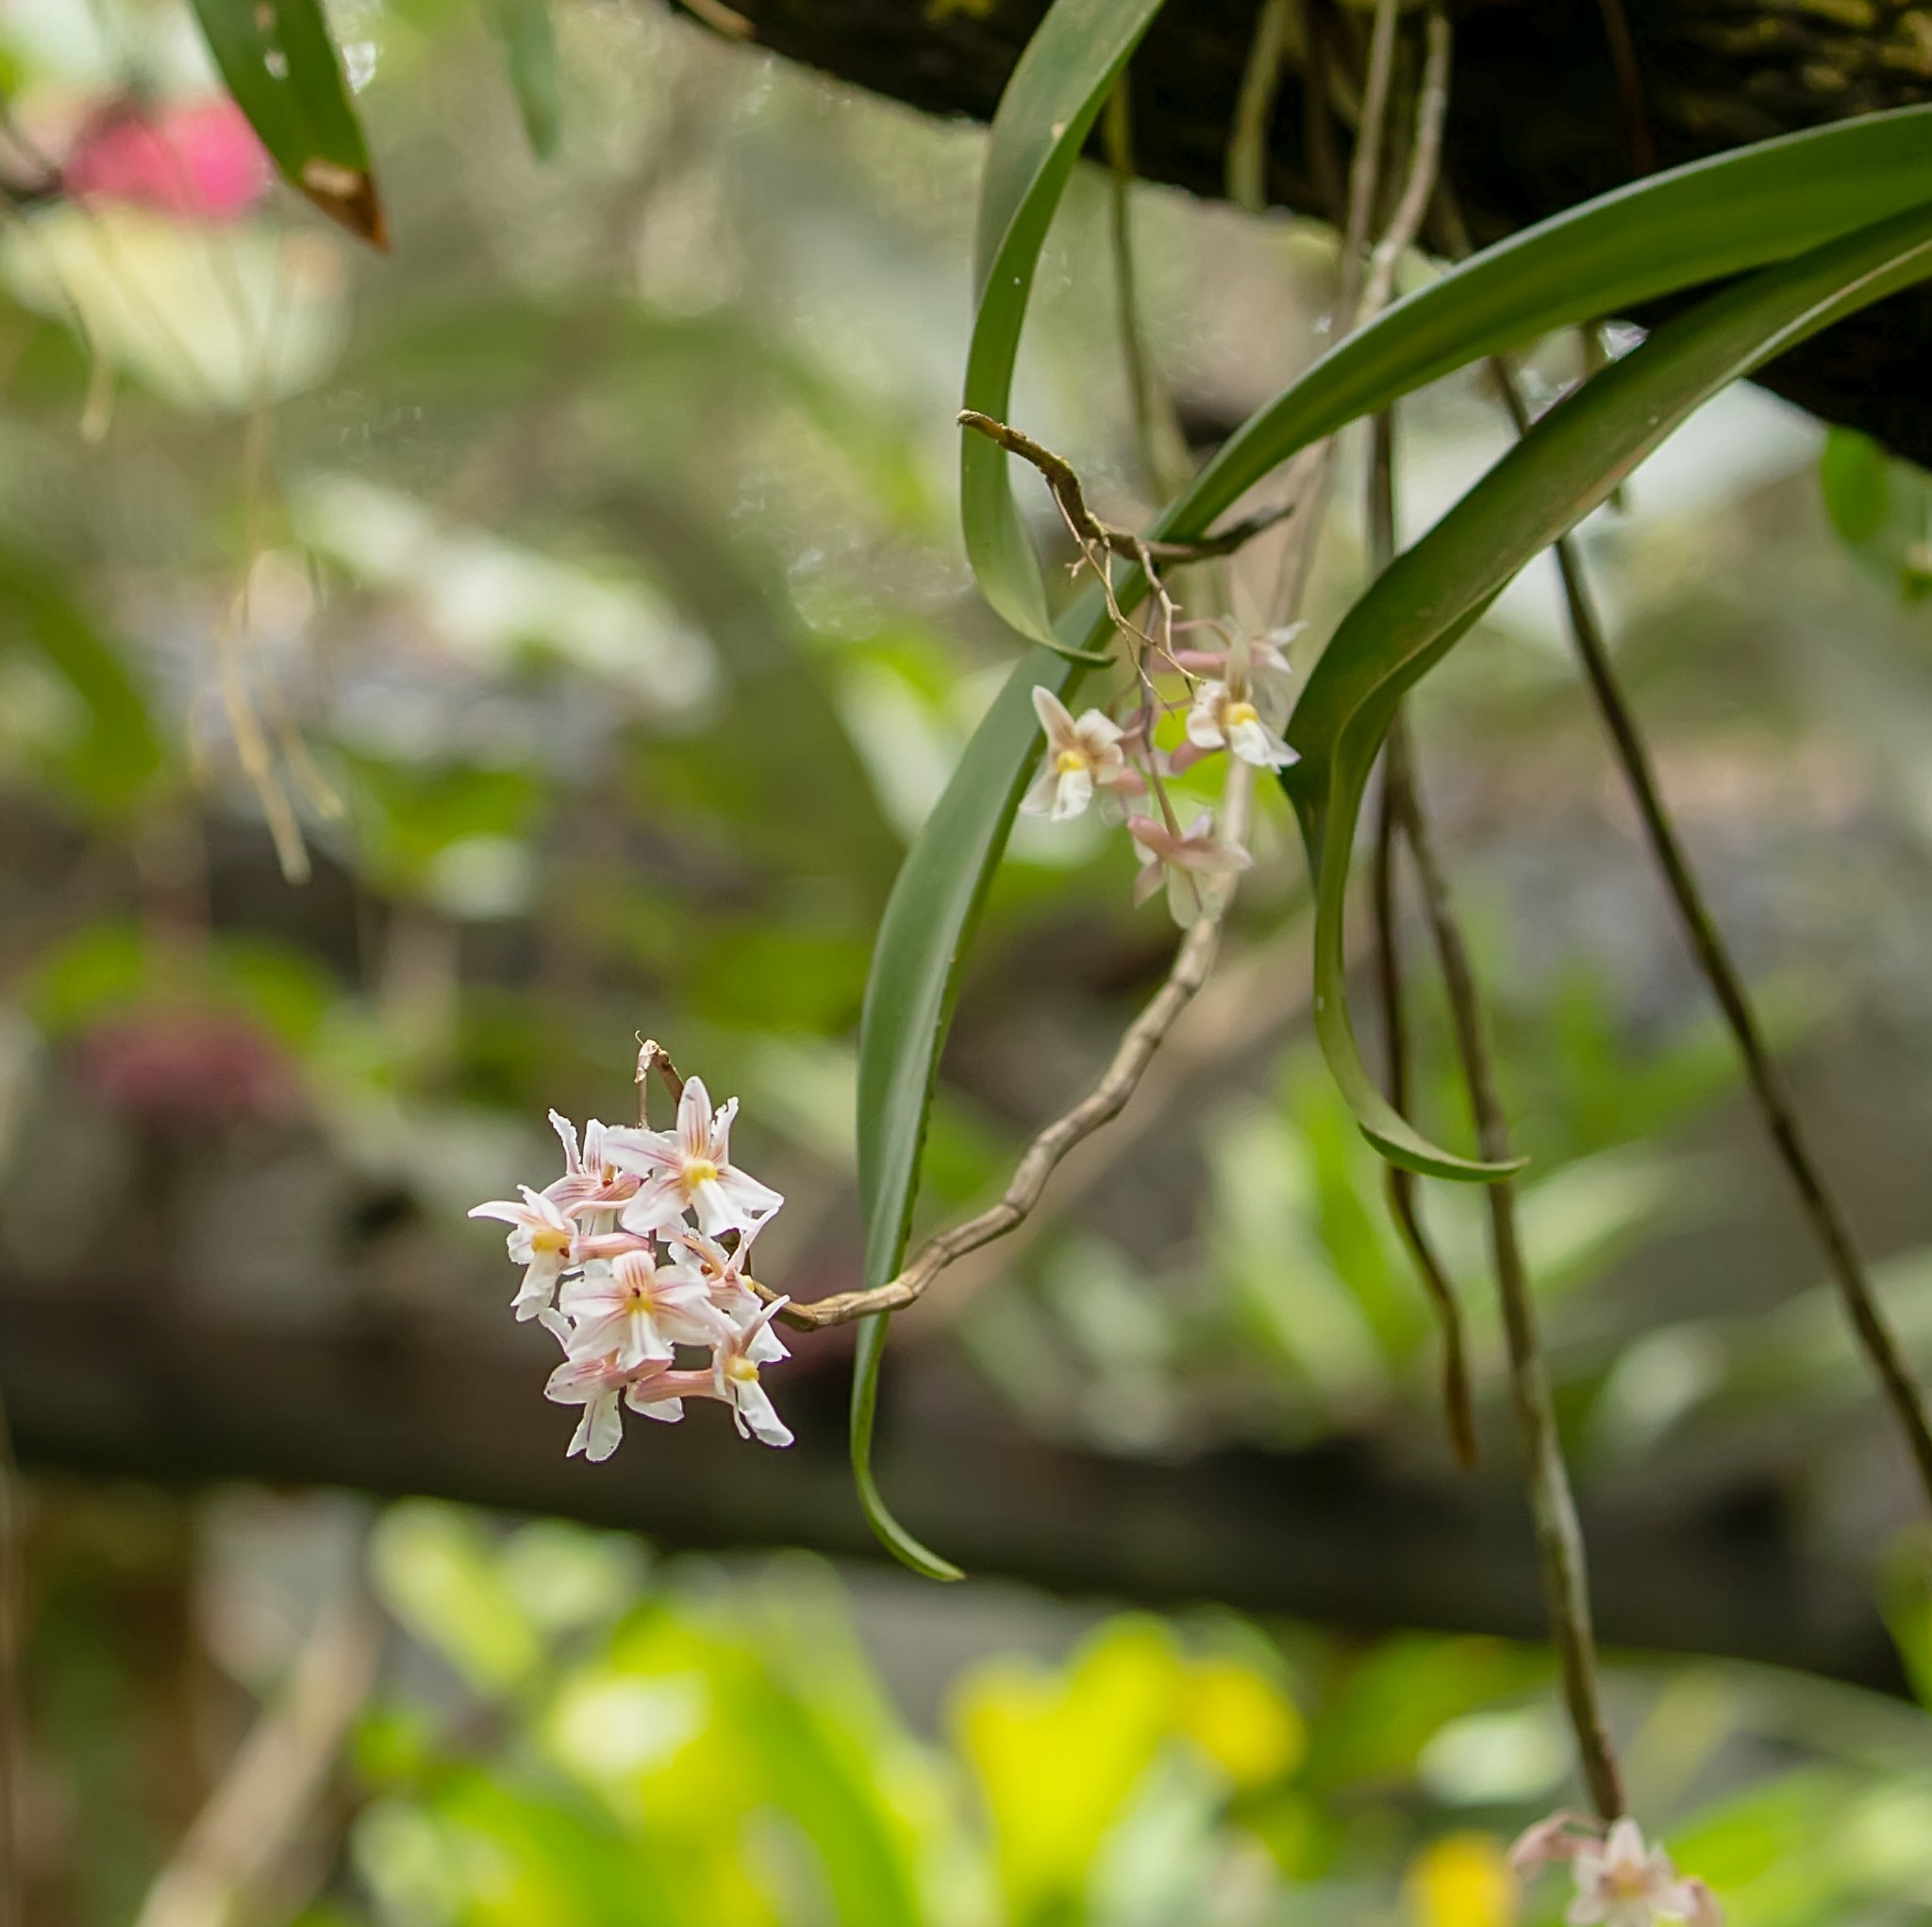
(641, 1247)
(1620, 1882)
(1235, 698)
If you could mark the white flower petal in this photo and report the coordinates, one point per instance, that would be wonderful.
(600, 1431)
(504, 1209)
(1054, 716)
(644, 1343)
(755, 1200)
(658, 1206)
(666, 1411)
(1203, 718)
(1096, 732)
(567, 1136)
(1073, 790)
(1036, 802)
(757, 1417)
(694, 1119)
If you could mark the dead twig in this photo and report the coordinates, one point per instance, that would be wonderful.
(1425, 164)
(652, 1055)
(1088, 530)
(272, 1782)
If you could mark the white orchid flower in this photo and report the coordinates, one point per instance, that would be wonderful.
(690, 1170)
(1226, 716)
(1182, 861)
(1623, 1882)
(637, 1311)
(539, 1239)
(1620, 1882)
(725, 1275)
(1271, 679)
(1082, 755)
(597, 1385)
(590, 1182)
(735, 1374)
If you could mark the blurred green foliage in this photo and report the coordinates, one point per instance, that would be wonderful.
(684, 1742)
(594, 553)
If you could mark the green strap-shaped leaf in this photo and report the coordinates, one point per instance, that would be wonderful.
(1434, 592)
(530, 55)
(1049, 108)
(1691, 227)
(279, 62)
(909, 1004)
(1050, 105)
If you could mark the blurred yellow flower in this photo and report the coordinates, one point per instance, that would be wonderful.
(1462, 1880)
(1243, 1722)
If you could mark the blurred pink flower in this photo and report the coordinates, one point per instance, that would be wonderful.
(181, 1064)
(199, 162)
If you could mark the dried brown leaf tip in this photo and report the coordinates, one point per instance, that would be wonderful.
(347, 196)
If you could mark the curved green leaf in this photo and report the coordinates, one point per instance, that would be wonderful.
(1049, 108)
(524, 29)
(278, 61)
(1434, 592)
(908, 1005)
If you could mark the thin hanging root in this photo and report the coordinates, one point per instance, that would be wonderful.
(1553, 1507)
(1775, 1108)
(1775, 1111)
(251, 747)
(1399, 1184)
(1356, 305)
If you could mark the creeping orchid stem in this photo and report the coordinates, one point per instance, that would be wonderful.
(1105, 1101)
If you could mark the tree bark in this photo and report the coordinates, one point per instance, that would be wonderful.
(1542, 114)
(121, 1378)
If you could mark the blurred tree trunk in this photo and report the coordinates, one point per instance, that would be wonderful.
(1553, 101)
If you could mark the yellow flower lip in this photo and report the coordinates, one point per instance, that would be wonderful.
(700, 1171)
(1069, 760)
(1238, 713)
(742, 1370)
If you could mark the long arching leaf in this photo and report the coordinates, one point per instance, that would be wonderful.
(1049, 108)
(1434, 592)
(279, 62)
(908, 1005)
(1692, 226)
